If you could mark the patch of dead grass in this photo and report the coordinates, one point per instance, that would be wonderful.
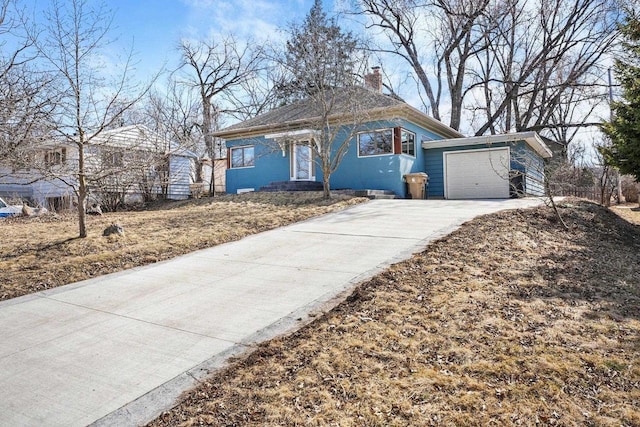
(511, 320)
(630, 212)
(42, 253)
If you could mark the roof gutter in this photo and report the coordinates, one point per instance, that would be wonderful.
(531, 138)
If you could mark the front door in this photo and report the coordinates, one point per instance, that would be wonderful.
(302, 167)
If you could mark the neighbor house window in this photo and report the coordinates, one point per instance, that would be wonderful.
(408, 141)
(113, 158)
(375, 143)
(242, 157)
(55, 157)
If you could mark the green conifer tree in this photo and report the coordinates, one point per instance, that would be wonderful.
(319, 55)
(624, 128)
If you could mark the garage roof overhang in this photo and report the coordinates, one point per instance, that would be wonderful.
(530, 138)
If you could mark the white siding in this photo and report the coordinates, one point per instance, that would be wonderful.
(179, 178)
(135, 139)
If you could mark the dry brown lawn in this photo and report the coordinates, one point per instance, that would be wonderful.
(42, 253)
(511, 320)
(630, 212)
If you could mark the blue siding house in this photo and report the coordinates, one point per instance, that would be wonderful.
(394, 140)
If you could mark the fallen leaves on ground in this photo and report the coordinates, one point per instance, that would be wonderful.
(511, 320)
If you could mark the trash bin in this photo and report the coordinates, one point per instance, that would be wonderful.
(416, 184)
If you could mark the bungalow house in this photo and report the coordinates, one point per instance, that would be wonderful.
(394, 140)
(130, 160)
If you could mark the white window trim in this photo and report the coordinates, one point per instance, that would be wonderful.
(243, 147)
(415, 144)
(373, 155)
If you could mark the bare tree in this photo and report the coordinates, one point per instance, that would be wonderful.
(334, 137)
(606, 176)
(176, 113)
(24, 103)
(214, 69)
(448, 27)
(541, 55)
(257, 94)
(510, 62)
(88, 101)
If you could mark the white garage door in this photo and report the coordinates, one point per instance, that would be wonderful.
(477, 174)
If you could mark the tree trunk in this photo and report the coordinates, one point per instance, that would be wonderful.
(208, 138)
(547, 187)
(326, 187)
(82, 195)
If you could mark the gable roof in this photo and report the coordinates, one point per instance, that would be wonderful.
(139, 136)
(304, 113)
(130, 136)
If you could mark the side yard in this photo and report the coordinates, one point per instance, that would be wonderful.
(511, 320)
(630, 212)
(42, 253)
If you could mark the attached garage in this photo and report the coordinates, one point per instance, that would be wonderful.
(486, 167)
(477, 174)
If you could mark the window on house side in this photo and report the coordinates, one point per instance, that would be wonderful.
(408, 143)
(375, 143)
(242, 157)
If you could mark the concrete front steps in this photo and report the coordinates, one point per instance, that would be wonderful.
(317, 186)
(376, 194)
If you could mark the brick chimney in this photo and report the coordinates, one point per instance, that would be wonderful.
(374, 80)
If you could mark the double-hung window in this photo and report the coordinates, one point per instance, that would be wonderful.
(408, 142)
(242, 157)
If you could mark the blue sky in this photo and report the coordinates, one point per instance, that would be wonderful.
(156, 26)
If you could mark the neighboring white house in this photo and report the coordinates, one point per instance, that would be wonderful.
(132, 161)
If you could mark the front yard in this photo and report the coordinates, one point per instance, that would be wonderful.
(511, 320)
(42, 253)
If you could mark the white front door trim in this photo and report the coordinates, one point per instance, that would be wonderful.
(302, 161)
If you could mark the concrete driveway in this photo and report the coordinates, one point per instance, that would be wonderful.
(119, 349)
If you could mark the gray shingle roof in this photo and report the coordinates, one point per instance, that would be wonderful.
(308, 108)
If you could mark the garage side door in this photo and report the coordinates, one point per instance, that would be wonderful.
(477, 174)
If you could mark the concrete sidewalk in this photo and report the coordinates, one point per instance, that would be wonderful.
(119, 349)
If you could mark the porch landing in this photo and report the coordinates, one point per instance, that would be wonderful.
(317, 186)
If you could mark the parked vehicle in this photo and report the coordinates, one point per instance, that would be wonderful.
(9, 210)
